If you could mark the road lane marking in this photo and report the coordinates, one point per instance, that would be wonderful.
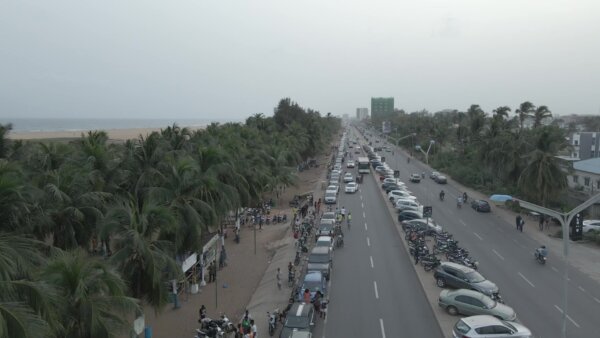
(361, 197)
(476, 235)
(382, 328)
(362, 205)
(364, 215)
(580, 288)
(553, 268)
(527, 280)
(376, 292)
(497, 254)
(568, 317)
(368, 242)
(365, 225)
(371, 258)
(462, 222)
(597, 300)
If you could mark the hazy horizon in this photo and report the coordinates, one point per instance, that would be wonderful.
(229, 60)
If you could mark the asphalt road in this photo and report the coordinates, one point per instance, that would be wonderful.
(374, 290)
(506, 258)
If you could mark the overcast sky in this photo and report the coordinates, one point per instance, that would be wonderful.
(231, 59)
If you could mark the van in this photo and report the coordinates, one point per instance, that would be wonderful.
(320, 259)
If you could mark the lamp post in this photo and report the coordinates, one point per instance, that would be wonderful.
(564, 219)
(431, 142)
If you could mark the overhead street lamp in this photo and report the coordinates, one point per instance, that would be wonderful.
(418, 147)
(564, 219)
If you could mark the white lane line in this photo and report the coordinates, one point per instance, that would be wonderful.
(368, 242)
(364, 215)
(362, 205)
(360, 197)
(580, 288)
(376, 292)
(371, 258)
(568, 317)
(597, 300)
(497, 254)
(365, 225)
(554, 269)
(462, 222)
(382, 329)
(527, 280)
(476, 235)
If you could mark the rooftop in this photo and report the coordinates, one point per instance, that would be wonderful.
(591, 165)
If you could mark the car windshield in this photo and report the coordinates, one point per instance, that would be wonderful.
(329, 194)
(318, 258)
(296, 322)
(351, 185)
(474, 277)
(488, 302)
(325, 227)
(313, 286)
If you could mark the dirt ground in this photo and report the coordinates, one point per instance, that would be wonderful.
(246, 265)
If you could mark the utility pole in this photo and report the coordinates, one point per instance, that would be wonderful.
(564, 219)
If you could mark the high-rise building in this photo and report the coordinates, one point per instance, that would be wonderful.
(585, 145)
(362, 113)
(382, 108)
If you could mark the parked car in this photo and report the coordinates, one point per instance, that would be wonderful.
(325, 241)
(313, 281)
(470, 303)
(300, 317)
(415, 178)
(462, 277)
(402, 204)
(351, 188)
(433, 175)
(440, 179)
(401, 194)
(408, 215)
(488, 326)
(350, 164)
(330, 198)
(348, 178)
(320, 259)
(392, 186)
(328, 215)
(332, 188)
(590, 225)
(325, 227)
(481, 205)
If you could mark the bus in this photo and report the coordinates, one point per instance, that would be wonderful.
(363, 165)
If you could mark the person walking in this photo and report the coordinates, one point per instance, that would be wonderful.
(279, 278)
(306, 296)
(518, 221)
(521, 224)
(253, 329)
(349, 219)
(541, 224)
(417, 249)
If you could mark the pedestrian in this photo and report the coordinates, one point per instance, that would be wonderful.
(547, 223)
(306, 296)
(212, 272)
(202, 313)
(254, 329)
(522, 224)
(324, 303)
(246, 326)
(465, 197)
(417, 249)
(541, 224)
(518, 221)
(260, 222)
(279, 278)
(317, 303)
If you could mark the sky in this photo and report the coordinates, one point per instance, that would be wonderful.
(231, 59)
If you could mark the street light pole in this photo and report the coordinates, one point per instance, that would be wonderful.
(564, 219)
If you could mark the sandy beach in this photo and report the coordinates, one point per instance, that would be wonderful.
(113, 134)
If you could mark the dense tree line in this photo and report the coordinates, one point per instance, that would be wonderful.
(494, 152)
(146, 201)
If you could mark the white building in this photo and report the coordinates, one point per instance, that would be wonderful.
(585, 176)
(362, 113)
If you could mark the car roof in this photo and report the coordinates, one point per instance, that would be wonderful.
(466, 292)
(414, 212)
(320, 250)
(482, 320)
(327, 221)
(328, 213)
(314, 275)
(324, 239)
(456, 266)
(300, 309)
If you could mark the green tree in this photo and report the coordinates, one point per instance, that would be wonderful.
(540, 114)
(525, 111)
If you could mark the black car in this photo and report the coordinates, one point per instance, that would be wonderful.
(481, 205)
(440, 179)
(300, 317)
(407, 215)
(462, 277)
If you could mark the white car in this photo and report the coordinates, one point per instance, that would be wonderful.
(330, 198)
(402, 204)
(333, 188)
(350, 164)
(326, 241)
(348, 178)
(481, 326)
(401, 194)
(591, 224)
(351, 188)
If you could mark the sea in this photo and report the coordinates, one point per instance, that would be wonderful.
(84, 124)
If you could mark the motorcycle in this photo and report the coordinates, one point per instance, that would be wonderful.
(272, 319)
(430, 262)
(339, 243)
(442, 197)
(539, 257)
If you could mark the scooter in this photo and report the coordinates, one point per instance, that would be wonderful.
(539, 257)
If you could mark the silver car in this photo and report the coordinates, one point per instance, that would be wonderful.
(488, 326)
(470, 302)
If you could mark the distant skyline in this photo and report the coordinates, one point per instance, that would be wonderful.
(228, 60)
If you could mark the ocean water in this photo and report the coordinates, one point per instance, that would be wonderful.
(64, 124)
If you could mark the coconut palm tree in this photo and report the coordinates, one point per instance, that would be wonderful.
(524, 112)
(543, 177)
(144, 259)
(93, 301)
(540, 114)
